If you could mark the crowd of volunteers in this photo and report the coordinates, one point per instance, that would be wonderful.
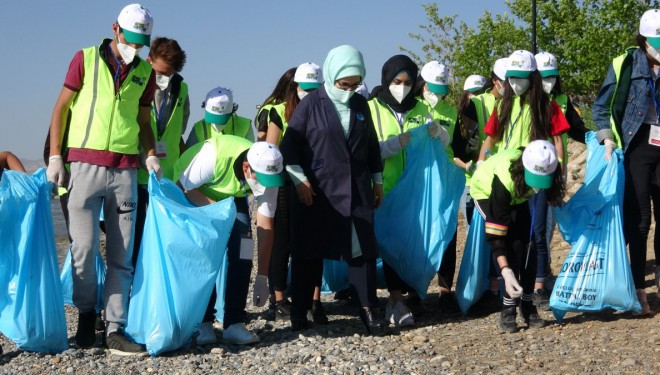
(317, 163)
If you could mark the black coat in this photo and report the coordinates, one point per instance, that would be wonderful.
(339, 170)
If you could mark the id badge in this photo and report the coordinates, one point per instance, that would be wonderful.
(654, 135)
(161, 149)
(247, 246)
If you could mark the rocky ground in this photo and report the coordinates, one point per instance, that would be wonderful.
(607, 342)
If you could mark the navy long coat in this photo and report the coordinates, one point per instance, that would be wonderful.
(339, 170)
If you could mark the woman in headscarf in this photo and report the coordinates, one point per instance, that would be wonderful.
(331, 153)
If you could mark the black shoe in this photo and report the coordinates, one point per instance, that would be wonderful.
(343, 295)
(118, 344)
(300, 325)
(86, 333)
(531, 315)
(99, 324)
(283, 310)
(541, 300)
(318, 314)
(447, 303)
(508, 319)
(372, 323)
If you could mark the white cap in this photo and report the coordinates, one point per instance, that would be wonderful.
(436, 76)
(219, 105)
(499, 68)
(520, 64)
(540, 162)
(547, 64)
(649, 27)
(308, 76)
(474, 83)
(136, 22)
(363, 90)
(267, 163)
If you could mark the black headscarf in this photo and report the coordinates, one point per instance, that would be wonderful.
(392, 67)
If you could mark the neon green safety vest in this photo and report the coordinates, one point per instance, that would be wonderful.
(497, 165)
(237, 125)
(388, 127)
(171, 138)
(280, 108)
(224, 183)
(484, 105)
(617, 65)
(518, 129)
(442, 114)
(101, 119)
(562, 101)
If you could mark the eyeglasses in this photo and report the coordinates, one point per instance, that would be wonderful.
(347, 86)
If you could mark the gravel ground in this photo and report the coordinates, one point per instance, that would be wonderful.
(607, 342)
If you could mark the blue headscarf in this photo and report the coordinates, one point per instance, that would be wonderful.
(343, 61)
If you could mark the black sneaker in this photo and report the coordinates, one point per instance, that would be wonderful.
(541, 300)
(508, 319)
(86, 333)
(447, 303)
(531, 315)
(318, 314)
(283, 310)
(118, 344)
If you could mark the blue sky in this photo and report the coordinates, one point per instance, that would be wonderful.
(244, 45)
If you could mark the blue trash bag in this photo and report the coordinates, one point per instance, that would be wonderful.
(66, 279)
(472, 279)
(335, 276)
(180, 257)
(221, 288)
(596, 273)
(31, 305)
(418, 217)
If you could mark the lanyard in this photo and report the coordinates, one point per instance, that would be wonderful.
(513, 125)
(655, 100)
(159, 114)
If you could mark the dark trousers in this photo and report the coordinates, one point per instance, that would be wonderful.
(281, 252)
(140, 218)
(538, 206)
(393, 280)
(448, 263)
(238, 271)
(520, 256)
(307, 273)
(642, 168)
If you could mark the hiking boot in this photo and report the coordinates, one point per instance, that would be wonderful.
(206, 334)
(317, 314)
(282, 310)
(508, 319)
(238, 334)
(531, 315)
(86, 333)
(541, 300)
(118, 344)
(399, 315)
(447, 303)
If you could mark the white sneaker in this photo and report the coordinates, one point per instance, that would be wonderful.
(238, 334)
(399, 315)
(206, 334)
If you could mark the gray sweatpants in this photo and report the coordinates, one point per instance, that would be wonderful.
(91, 188)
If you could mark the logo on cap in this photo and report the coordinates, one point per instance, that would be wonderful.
(140, 26)
(216, 108)
(541, 169)
(272, 168)
(440, 79)
(516, 63)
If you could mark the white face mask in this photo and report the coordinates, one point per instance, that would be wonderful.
(302, 94)
(653, 52)
(549, 84)
(126, 52)
(162, 81)
(519, 85)
(257, 188)
(218, 128)
(339, 95)
(431, 98)
(399, 92)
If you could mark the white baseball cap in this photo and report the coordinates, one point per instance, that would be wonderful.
(540, 162)
(436, 76)
(308, 76)
(499, 68)
(649, 27)
(218, 106)
(267, 163)
(474, 83)
(520, 64)
(136, 22)
(546, 64)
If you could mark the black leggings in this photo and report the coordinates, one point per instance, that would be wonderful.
(521, 255)
(279, 258)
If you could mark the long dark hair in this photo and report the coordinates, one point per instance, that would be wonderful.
(281, 89)
(464, 121)
(539, 107)
(554, 195)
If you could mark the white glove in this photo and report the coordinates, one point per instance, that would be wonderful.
(442, 134)
(55, 171)
(610, 145)
(513, 289)
(153, 163)
(260, 292)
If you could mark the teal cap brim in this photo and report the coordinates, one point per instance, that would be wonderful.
(518, 73)
(270, 180)
(549, 73)
(438, 89)
(211, 118)
(475, 89)
(136, 38)
(309, 85)
(654, 41)
(538, 181)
